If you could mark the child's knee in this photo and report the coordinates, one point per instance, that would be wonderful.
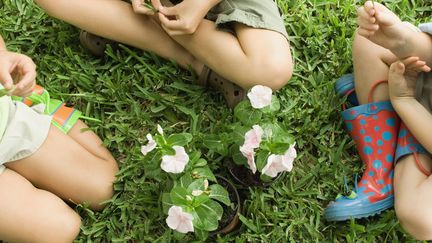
(101, 187)
(415, 221)
(62, 224)
(275, 73)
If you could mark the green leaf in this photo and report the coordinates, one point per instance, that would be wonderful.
(180, 139)
(185, 180)
(219, 193)
(237, 156)
(215, 144)
(207, 215)
(261, 159)
(178, 196)
(197, 184)
(204, 172)
(248, 223)
(200, 163)
(247, 115)
(199, 200)
(201, 234)
(166, 202)
(213, 208)
(273, 107)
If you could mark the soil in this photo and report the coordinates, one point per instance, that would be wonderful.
(230, 216)
(244, 176)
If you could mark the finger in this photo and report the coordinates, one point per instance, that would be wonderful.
(368, 26)
(410, 60)
(397, 68)
(138, 8)
(169, 11)
(365, 33)
(369, 8)
(175, 24)
(364, 16)
(5, 78)
(27, 70)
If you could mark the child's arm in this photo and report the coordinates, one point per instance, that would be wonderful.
(383, 27)
(185, 17)
(19, 66)
(402, 81)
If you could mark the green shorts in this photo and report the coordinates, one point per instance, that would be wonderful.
(260, 14)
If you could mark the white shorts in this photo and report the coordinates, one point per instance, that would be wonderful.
(25, 132)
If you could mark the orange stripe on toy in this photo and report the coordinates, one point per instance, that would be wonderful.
(62, 114)
(38, 90)
(28, 102)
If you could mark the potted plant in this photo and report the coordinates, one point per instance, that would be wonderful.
(255, 141)
(195, 200)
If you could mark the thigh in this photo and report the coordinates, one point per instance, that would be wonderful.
(28, 214)
(371, 64)
(66, 168)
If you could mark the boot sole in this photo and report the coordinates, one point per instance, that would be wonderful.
(362, 212)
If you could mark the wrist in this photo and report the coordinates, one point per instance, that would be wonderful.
(401, 102)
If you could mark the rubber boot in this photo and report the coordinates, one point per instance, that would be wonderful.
(344, 86)
(374, 128)
(408, 144)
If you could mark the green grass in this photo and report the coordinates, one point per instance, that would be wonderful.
(131, 91)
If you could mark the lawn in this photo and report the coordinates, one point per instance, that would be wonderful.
(130, 91)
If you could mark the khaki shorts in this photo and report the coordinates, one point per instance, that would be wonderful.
(423, 92)
(25, 132)
(260, 14)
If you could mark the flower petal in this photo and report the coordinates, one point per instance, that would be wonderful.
(175, 163)
(150, 145)
(260, 96)
(179, 220)
(249, 153)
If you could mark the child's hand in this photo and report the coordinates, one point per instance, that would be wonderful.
(185, 17)
(17, 69)
(380, 25)
(143, 6)
(403, 77)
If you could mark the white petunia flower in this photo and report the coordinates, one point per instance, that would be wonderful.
(260, 96)
(253, 137)
(279, 163)
(249, 153)
(150, 145)
(179, 220)
(175, 163)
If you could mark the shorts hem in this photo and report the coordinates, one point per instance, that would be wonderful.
(248, 19)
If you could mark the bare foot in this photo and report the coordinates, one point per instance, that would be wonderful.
(382, 26)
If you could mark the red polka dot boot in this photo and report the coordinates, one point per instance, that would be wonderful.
(374, 128)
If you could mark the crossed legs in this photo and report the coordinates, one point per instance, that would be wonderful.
(253, 56)
(412, 188)
(75, 168)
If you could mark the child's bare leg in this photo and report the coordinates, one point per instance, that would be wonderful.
(371, 64)
(413, 196)
(76, 168)
(116, 20)
(28, 214)
(254, 56)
